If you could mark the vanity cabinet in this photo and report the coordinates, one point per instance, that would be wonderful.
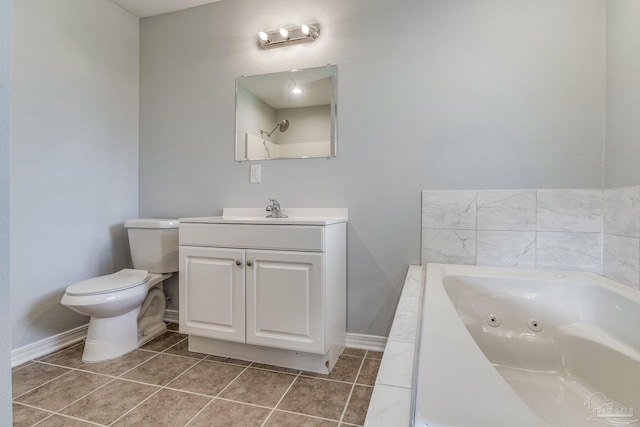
(280, 286)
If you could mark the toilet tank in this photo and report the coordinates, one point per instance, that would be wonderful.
(153, 244)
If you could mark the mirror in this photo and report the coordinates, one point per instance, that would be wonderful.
(287, 115)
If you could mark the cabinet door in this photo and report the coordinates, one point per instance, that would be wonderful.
(285, 300)
(212, 292)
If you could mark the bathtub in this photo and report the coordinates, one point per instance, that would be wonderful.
(506, 347)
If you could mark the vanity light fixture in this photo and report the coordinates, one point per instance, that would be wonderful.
(304, 33)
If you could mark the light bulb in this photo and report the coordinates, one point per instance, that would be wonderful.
(296, 90)
(305, 29)
(263, 36)
(284, 33)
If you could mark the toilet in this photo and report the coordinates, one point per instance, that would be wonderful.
(127, 307)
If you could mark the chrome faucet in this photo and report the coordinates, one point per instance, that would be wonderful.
(274, 209)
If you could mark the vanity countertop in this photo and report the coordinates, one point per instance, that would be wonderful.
(296, 216)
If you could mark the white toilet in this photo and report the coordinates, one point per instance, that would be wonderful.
(127, 307)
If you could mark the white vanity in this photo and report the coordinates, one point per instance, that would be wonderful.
(270, 290)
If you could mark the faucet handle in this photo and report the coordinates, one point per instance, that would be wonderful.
(274, 203)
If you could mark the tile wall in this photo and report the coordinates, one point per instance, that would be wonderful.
(584, 230)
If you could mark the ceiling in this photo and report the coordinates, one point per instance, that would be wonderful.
(144, 8)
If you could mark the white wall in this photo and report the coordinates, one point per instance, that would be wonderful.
(74, 154)
(306, 124)
(5, 319)
(623, 94)
(433, 94)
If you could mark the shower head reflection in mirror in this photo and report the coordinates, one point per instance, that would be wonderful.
(283, 126)
(265, 103)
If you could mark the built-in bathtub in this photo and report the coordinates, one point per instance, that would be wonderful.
(504, 347)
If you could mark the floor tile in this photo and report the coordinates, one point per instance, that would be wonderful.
(24, 416)
(374, 355)
(346, 369)
(165, 408)
(368, 372)
(259, 387)
(164, 341)
(23, 365)
(110, 402)
(275, 368)
(286, 419)
(182, 349)
(33, 376)
(358, 404)
(70, 357)
(229, 360)
(354, 352)
(317, 397)
(62, 391)
(119, 366)
(207, 377)
(160, 370)
(222, 413)
(62, 421)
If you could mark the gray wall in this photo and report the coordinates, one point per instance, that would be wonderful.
(74, 154)
(433, 94)
(5, 319)
(623, 94)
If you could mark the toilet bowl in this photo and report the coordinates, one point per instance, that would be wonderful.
(126, 308)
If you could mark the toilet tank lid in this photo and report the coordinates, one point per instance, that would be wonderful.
(151, 223)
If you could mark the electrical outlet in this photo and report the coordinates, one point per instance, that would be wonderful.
(256, 173)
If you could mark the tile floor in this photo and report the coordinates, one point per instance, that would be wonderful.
(163, 384)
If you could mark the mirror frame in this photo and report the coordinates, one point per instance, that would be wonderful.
(332, 74)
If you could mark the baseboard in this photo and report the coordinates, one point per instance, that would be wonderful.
(171, 316)
(48, 345)
(366, 342)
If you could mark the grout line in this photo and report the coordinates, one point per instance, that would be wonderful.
(73, 418)
(83, 396)
(136, 366)
(136, 406)
(243, 403)
(184, 372)
(200, 411)
(232, 381)
(310, 416)
(62, 350)
(45, 383)
(280, 400)
(353, 386)
(22, 366)
(216, 396)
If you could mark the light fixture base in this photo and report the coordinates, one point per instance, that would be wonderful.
(294, 35)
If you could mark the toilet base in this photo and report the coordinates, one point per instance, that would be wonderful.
(111, 337)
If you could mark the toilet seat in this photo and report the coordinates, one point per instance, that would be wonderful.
(123, 279)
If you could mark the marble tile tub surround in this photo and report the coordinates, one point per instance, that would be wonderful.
(574, 229)
(390, 403)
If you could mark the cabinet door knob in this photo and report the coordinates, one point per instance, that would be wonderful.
(238, 262)
(249, 263)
